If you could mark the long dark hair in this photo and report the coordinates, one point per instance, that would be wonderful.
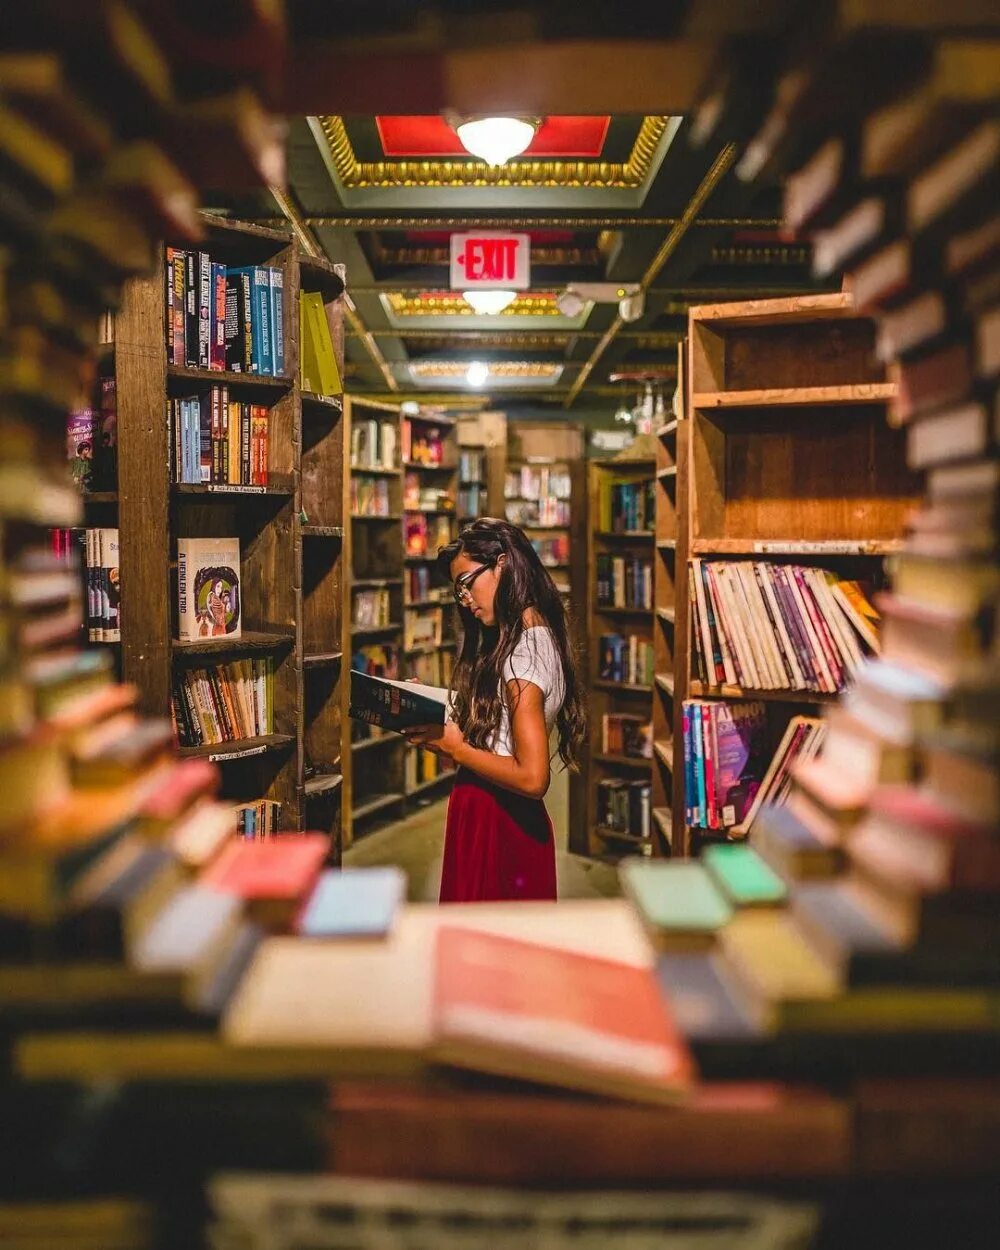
(523, 583)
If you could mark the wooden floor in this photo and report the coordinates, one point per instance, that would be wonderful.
(415, 845)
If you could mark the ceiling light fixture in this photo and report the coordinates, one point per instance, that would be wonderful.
(477, 373)
(489, 303)
(496, 140)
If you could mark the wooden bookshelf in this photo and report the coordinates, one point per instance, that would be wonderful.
(588, 835)
(484, 435)
(292, 588)
(782, 453)
(378, 560)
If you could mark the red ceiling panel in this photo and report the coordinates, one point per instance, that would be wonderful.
(415, 137)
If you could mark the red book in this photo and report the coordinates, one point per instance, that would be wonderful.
(538, 1013)
(273, 877)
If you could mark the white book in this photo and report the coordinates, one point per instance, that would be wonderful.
(209, 590)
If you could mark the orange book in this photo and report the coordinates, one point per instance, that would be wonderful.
(273, 877)
(539, 1013)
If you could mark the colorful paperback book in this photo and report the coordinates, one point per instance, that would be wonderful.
(397, 705)
(740, 763)
(208, 588)
(353, 902)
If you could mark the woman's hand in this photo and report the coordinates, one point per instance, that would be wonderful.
(442, 739)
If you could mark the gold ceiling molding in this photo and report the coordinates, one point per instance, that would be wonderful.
(535, 221)
(767, 254)
(609, 175)
(498, 368)
(566, 256)
(447, 304)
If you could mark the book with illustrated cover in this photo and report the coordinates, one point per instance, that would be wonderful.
(208, 588)
(396, 705)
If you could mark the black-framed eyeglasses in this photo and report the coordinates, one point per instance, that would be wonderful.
(463, 585)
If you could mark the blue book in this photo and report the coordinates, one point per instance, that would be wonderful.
(277, 322)
(260, 316)
(689, 786)
(186, 476)
(697, 731)
(353, 902)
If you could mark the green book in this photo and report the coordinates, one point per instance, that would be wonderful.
(743, 877)
(680, 906)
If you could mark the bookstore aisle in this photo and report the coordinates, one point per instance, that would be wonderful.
(258, 360)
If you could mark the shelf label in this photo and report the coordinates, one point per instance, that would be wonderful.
(238, 755)
(813, 548)
(220, 488)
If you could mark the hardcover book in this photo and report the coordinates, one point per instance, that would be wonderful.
(358, 902)
(208, 588)
(396, 705)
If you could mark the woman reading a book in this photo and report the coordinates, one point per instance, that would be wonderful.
(514, 681)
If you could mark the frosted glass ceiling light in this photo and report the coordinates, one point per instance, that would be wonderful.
(496, 140)
(489, 303)
(477, 373)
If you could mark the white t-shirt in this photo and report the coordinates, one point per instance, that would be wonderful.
(535, 659)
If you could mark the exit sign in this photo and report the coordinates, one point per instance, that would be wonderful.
(486, 260)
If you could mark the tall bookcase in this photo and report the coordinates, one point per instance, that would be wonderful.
(481, 436)
(782, 453)
(590, 835)
(397, 459)
(290, 534)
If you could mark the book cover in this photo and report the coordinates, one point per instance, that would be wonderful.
(208, 588)
(396, 705)
(81, 429)
(677, 901)
(282, 869)
(355, 902)
(322, 344)
(607, 1028)
(740, 764)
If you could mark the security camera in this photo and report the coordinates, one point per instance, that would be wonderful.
(574, 299)
(632, 307)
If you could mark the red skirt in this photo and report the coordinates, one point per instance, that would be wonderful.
(497, 845)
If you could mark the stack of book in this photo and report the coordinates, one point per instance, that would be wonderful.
(370, 496)
(626, 507)
(537, 483)
(422, 442)
(373, 444)
(626, 658)
(93, 553)
(221, 317)
(224, 702)
(624, 581)
(625, 734)
(432, 669)
(218, 440)
(372, 608)
(767, 626)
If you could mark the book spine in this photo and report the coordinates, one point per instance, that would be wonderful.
(168, 277)
(185, 614)
(205, 302)
(708, 739)
(277, 320)
(174, 425)
(245, 444)
(191, 318)
(246, 320)
(216, 434)
(234, 340)
(205, 437)
(699, 764)
(178, 356)
(796, 628)
(217, 359)
(261, 322)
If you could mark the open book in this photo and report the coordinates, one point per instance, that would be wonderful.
(396, 705)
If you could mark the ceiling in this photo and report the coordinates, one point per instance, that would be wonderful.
(621, 197)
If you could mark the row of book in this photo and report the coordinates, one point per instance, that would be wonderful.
(423, 535)
(421, 585)
(626, 658)
(376, 659)
(626, 507)
(425, 496)
(422, 442)
(259, 819)
(541, 512)
(624, 581)
(374, 444)
(224, 702)
(371, 608)
(92, 441)
(471, 500)
(538, 484)
(552, 551)
(432, 668)
(625, 807)
(623, 733)
(422, 767)
(769, 626)
(471, 468)
(219, 441)
(423, 628)
(370, 496)
(224, 317)
(101, 577)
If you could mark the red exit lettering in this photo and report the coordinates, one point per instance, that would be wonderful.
(489, 260)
